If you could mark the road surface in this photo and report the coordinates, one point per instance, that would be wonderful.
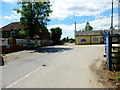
(65, 66)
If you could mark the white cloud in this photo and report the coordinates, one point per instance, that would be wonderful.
(104, 24)
(10, 17)
(67, 30)
(9, 0)
(7, 17)
(64, 8)
(14, 15)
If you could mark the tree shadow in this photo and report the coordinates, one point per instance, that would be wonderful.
(51, 49)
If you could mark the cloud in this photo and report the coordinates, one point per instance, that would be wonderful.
(14, 15)
(98, 24)
(9, 1)
(67, 30)
(65, 8)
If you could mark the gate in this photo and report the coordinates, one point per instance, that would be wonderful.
(112, 48)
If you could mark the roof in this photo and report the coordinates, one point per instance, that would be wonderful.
(95, 32)
(14, 26)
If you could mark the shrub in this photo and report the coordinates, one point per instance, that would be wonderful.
(118, 78)
(70, 41)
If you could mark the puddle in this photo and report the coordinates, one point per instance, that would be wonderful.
(43, 65)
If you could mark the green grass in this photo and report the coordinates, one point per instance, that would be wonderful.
(2, 54)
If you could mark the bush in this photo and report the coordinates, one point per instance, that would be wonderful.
(71, 41)
(118, 78)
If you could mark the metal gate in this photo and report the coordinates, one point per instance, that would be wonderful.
(113, 51)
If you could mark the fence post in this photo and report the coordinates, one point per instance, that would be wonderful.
(108, 50)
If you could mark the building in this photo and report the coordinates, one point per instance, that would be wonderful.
(91, 37)
(12, 30)
(16, 30)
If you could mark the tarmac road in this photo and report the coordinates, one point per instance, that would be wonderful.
(65, 66)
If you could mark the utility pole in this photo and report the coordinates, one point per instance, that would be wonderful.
(75, 33)
(111, 27)
(118, 14)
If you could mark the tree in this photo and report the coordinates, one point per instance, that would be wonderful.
(56, 33)
(71, 40)
(118, 0)
(83, 29)
(34, 15)
(88, 27)
(67, 39)
(64, 39)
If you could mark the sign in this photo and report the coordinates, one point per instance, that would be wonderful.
(83, 40)
(7, 46)
(3, 42)
(31, 42)
(38, 42)
(21, 42)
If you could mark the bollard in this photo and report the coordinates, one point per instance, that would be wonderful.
(1, 61)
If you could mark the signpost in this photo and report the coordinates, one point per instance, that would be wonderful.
(108, 50)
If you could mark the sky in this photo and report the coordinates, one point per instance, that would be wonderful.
(66, 13)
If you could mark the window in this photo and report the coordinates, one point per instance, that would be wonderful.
(95, 40)
(6, 33)
(12, 33)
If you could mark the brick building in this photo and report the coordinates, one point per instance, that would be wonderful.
(16, 30)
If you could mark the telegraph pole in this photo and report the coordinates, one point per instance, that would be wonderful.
(118, 14)
(111, 28)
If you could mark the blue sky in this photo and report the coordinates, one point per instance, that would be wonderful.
(66, 12)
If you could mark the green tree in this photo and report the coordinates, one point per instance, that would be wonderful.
(67, 39)
(83, 29)
(64, 39)
(71, 40)
(56, 33)
(88, 27)
(34, 15)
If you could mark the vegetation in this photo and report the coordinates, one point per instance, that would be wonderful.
(56, 34)
(88, 27)
(22, 32)
(118, 78)
(34, 16)
(67, 40)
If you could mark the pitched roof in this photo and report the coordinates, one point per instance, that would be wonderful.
(14, 26)
(95, 32)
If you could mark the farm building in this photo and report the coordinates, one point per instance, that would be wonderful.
(91, 37)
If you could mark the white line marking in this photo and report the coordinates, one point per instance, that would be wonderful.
(23, 77)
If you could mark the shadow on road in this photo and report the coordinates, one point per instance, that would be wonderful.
(51, 50)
